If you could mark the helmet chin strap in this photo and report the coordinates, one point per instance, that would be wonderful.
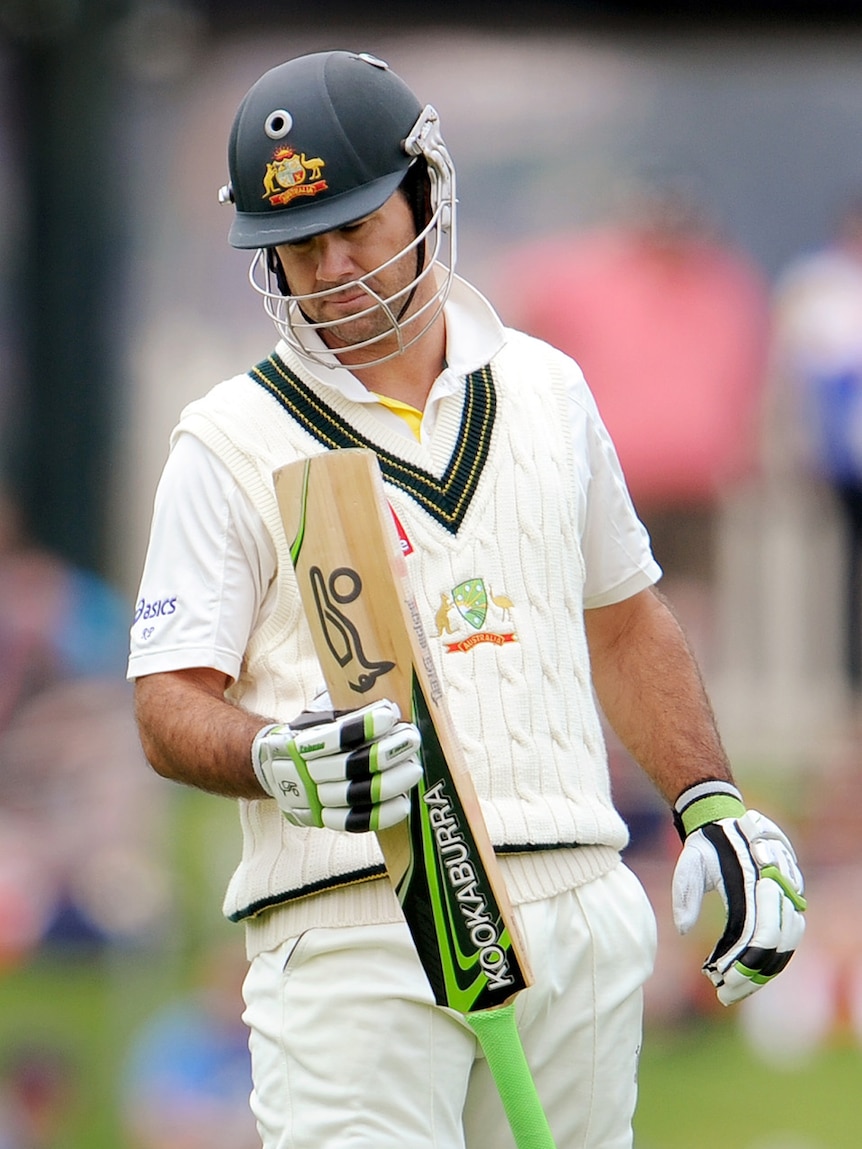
(420, 265)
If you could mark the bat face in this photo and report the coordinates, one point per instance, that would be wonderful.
(471, 963)
(370, 643)
(332, 592)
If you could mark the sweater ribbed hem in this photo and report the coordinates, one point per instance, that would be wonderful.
(529, 878)
(544, 874)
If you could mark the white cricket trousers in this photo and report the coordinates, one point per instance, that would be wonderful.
(350, 1052)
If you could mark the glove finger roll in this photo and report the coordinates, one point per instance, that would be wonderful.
(384, 754)
(371, 789)
(380, 817)
(778, 932)
(314, 739)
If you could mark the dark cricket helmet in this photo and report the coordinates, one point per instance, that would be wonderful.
(317, 143)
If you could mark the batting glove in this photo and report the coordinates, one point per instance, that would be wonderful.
(751, 863)
(345, 770)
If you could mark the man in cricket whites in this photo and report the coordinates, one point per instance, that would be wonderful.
(535, 581)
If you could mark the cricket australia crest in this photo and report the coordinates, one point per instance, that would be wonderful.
(472, 613)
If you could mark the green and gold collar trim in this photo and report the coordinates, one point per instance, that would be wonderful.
(446, 499)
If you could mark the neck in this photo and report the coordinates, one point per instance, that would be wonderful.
(410, 376)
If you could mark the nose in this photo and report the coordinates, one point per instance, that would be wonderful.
(334, 263)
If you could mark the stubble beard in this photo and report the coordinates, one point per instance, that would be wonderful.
(347, 331)
(377, 324)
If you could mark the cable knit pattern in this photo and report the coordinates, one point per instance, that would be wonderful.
(501, 599)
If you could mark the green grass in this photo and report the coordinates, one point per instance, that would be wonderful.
(705, 1090)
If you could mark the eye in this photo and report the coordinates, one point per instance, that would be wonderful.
(357, 225)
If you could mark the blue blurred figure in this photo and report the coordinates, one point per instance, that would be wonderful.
(817, 368)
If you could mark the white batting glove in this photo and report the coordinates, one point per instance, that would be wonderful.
(751, 863)
(345, 770)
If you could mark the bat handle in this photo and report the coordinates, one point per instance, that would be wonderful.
(498, 1035)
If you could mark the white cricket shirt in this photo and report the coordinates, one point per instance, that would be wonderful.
(210, 563)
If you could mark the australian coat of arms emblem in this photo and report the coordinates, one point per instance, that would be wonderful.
(290, 175)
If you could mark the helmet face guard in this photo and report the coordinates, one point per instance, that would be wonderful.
(363, 129)
(434, 253)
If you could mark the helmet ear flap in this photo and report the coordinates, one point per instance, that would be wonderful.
(274, 265)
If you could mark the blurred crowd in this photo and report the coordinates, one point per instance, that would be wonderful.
(708, 377)
(85, 870)
(76, 868)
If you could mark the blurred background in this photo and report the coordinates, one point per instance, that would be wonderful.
(673, 197)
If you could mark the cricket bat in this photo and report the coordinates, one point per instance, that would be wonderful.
(371, 644)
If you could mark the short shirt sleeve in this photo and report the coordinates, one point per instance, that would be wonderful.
(209, 567)
(616, 547)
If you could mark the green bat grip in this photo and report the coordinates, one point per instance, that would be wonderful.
(498, 1035)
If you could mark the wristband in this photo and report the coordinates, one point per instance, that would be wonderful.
(706, 802)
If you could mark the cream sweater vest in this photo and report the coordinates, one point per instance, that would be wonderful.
(496, 565)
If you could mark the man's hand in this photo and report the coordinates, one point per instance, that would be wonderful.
(345, 770)
(751, 863)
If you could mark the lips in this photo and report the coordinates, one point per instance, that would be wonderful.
(349, 300)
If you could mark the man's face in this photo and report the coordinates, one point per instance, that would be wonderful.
(339, 258)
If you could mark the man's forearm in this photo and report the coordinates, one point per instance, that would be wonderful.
(650, 689)
(191, 734)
